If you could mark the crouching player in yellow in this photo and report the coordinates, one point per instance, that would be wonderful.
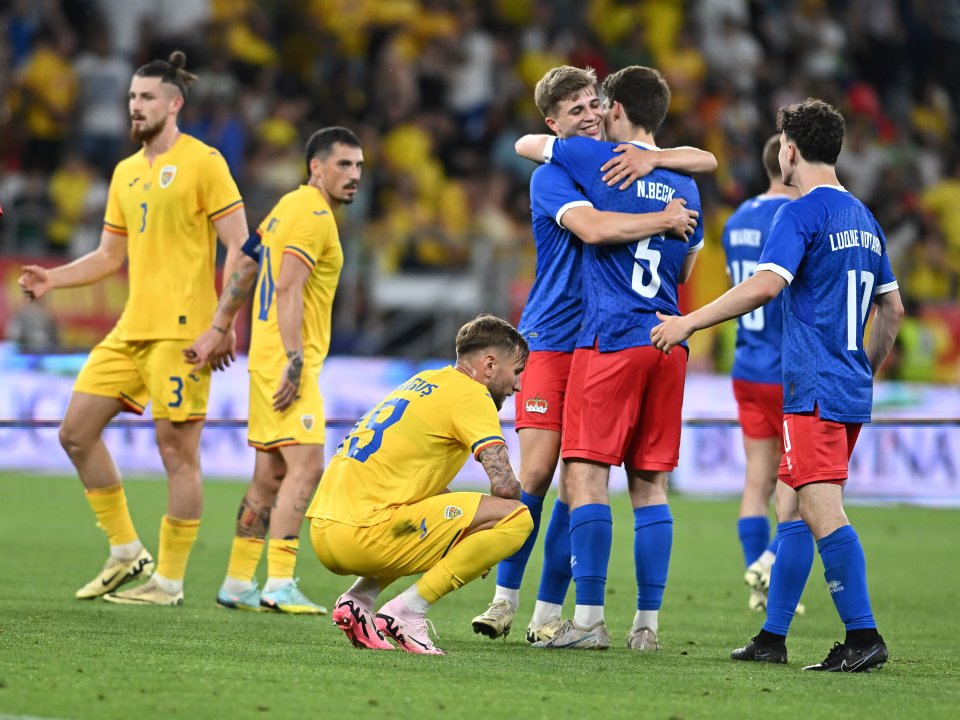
(383, 510)
(300, 257)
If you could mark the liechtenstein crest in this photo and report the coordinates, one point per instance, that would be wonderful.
(167, 174)
(452, 512)
(536, 405)
(307, 421)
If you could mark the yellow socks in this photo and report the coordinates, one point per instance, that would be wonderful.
(110, 506)
(476, 554)
(176, 541)
(244, 558)
(282, 558)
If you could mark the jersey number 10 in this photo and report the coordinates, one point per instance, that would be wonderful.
(739, 271)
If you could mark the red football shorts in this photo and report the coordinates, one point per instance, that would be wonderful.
(543, 387)
(625, 407)
(759, 408)
(816, 450)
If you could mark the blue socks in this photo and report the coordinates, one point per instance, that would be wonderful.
(510, 570)
(591, 536)
(845, 570)
(774, 543)
(788, 575)
(754, 533)
(652, 543)
(556, 575)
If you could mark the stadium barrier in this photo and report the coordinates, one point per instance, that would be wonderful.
(910, 453)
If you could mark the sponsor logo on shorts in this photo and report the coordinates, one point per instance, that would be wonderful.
(167, 174)
(307, 421)
(452, 512)
(537, 405)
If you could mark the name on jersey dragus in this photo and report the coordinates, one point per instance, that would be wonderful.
(655, 191)
(745, 236)
(419, 385)
(855, 238)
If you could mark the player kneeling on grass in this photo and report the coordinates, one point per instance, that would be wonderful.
(383, 510)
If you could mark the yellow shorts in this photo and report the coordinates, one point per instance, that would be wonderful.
(412, 541)
(300, 424)
(146, 371)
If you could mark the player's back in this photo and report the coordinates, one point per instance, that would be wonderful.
(407, 448)
(551, 316)
(166, 209)
(833, 252)
(759, 333)
(625, 285)
(301, 226)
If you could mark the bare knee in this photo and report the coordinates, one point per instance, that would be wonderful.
(77, 440)
(177, 455)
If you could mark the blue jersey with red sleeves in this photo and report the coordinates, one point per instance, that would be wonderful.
(759, 333)
(624, 285)
(551, 317)
(833, 255)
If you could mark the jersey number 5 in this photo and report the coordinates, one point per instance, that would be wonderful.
(652, 258)
(374, 421)
(857, 316)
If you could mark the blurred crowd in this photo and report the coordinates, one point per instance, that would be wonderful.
(439, 90)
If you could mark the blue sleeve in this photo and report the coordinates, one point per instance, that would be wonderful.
(581, 157)
(693, 203)
(553, 192)
(785, 246)
(251, 248)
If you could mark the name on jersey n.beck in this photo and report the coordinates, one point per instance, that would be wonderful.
(655, 191)
(855, 238)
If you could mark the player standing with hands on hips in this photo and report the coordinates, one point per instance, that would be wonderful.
(828, 255)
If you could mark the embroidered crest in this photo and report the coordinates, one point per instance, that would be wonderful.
(452, 512)
(167, 174)
(537, 405)
(307, 421)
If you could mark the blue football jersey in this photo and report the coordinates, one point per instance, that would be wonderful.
(624, 285)
(833, 255)
(759, 333)
(551, 317)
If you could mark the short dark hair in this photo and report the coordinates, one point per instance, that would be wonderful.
(322, 141)
(560, 83)
(170, 71)
(815, 127)
(644, 94)
(488, 331)
(771, 157)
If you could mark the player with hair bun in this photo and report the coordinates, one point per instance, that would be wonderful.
(167, 203)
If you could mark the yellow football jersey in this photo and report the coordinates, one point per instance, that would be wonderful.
(300, 228)
(166, 210)
(407, 448)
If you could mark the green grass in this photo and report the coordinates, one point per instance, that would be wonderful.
(65, 658)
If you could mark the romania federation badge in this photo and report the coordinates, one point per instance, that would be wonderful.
(307, 421)
(537, 405)
(452, 512)
(167, 174)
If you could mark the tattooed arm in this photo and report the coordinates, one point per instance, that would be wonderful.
(503, 481)
(216, 345)
(291, 280)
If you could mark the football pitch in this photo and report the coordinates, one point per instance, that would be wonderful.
(65, 658)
